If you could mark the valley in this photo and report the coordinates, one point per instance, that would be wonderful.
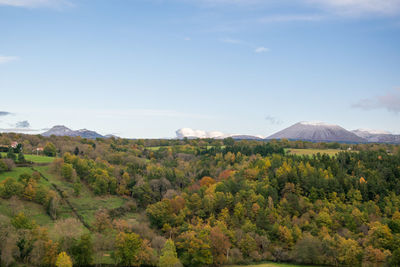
(206, 201)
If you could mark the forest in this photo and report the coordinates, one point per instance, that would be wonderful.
(71, 201)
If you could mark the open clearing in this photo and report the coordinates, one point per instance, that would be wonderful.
(15, 173)
(272, 264)
(34, 158)
(310, 152)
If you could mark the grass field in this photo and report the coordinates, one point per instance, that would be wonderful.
(34, 211)
(155, 148)
(39, 158)
(34, 158)
(271, 264)
(310, 151)
(15, 173)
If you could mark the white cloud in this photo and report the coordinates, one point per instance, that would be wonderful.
(192, 133)
(5, 113)
(261, 49)
(35, 3)
(22, 124)
(188, 132)
(273, 120)
(6, 59)
(389, 101)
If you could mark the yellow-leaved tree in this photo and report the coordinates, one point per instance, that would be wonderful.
(63, 260)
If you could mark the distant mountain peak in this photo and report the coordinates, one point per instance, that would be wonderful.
(318, 123)
(371, 131)
(317, 132)
(378, 136)
(61, 130)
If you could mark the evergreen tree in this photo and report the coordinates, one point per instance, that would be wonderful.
(82, 251)
(169, 257)
(21, 157)
(76, 151)
(11, 154)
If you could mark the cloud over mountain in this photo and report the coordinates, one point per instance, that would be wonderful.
(191, 133)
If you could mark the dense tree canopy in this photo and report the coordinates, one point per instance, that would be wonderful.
(210, 202)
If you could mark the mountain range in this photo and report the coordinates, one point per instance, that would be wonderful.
(317, 132)
(306, 131)
(61, 130)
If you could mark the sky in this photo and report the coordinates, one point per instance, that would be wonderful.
(145, 68)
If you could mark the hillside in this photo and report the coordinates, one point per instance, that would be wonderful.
(199, 202)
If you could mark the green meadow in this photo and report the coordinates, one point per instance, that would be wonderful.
(34, 158)
(311, 152)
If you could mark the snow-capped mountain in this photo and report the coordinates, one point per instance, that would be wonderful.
(376, 136)
(317, 132)
(365, 133)
(193, 134)
(61, 130)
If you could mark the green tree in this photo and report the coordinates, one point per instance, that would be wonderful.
(68, 172)
(20, 221)
(76, 151)
(127, 249)
(229, 141)
(169, 257)
(21, 157)
(160, 213)
(395, 258)
(308, 250)
(194, 249)
(50, 150)
(77, 188)
(3, 166)
(247, 244)
(350, 252)
(9, 187)
(82, 251)
(379, 235)
(11, 154)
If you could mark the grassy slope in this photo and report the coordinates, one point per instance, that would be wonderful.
(35, 211)
(87, 204)
(15, 173)
(39, 158)
(34, 158)
(271, 264)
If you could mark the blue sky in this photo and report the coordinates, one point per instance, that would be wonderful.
(144, 68)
